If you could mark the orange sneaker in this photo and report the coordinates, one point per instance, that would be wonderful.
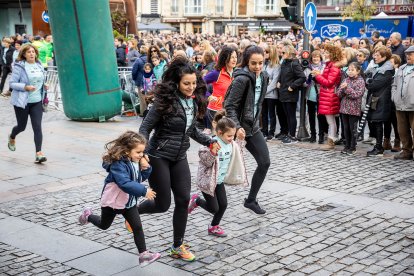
(128, 227)
(182, 253)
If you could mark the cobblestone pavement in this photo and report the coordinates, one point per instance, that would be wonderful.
(297, 236)
(14, 261)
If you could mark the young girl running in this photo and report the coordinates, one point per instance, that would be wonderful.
(350, 92)
(127, 167)
(221, 163)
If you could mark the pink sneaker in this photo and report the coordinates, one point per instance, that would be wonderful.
(216, 231)
(147, 257)
(192, 205)
(83, 218)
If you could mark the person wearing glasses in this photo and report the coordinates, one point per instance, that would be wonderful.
(362, 58)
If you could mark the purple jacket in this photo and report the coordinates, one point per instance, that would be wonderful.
(351, 96)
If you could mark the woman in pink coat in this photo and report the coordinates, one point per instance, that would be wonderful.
(329, 80)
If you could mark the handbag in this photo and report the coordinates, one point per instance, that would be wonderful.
(236, 173)
(114, 197)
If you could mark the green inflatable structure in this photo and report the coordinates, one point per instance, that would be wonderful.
(85, 57)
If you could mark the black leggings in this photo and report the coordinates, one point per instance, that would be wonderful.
(6, 69)
(350, 123)
(170, 176)
(290, 111)
(312, 108)
(269, 116)
(132, 217)
(35, 110)
(257, 146)
(215, 205)
(387, 127)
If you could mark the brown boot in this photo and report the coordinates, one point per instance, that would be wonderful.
(329, 146)
(387, 144)
(397, 146)
(404, 155)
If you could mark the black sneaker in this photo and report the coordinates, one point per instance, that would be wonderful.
(312, 139)
(281, 137)
(351, 152)
(279, 134)
(344, 150)
(340, 141)
(375, 152)
(269, 137)
(286, 140)
(254, 206)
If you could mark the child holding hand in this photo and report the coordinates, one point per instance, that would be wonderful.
(220, 163)
(127, 168)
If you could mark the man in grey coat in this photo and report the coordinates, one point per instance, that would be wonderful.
(403, 97)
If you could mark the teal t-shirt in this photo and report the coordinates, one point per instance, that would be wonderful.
(258, 91)
(189, 110)
(36, 78)
(224, 155)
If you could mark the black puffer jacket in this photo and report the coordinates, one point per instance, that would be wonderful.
(239, 101)
(170, 140)
(291, 74)
(378, 83)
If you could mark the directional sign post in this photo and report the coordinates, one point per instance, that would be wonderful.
(45, 17)
(310, 15)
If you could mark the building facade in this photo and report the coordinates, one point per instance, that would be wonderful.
(214, 16)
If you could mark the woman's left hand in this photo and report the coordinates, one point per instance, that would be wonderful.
(290, 89)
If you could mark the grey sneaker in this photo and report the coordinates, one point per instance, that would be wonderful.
(83, 218)
(147, 257)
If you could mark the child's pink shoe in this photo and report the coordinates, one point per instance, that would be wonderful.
(147, 257)
(83, 218)
(216, 231)
(192, 205)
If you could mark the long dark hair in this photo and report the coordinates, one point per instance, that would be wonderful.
(248, 52)
(165, 92)
(224, 57)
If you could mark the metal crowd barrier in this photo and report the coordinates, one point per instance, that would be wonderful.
(126, 83)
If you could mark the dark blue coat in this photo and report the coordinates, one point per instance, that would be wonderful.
(138, 70)
(122, 173)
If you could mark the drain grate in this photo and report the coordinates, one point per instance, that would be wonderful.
(325, 207)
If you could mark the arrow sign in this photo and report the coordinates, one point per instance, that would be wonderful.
(310, 15)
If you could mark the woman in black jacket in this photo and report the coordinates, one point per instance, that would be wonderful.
(178, 102)
(291, 79)
(378, 82)
(243, 104)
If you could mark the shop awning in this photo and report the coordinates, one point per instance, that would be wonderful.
(155, 27)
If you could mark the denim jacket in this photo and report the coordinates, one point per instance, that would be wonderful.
(19, 79)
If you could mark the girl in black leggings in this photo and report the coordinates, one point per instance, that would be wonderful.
(127, 168)
(178, 103)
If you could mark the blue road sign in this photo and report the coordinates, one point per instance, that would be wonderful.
(45, 16)
(310, 16)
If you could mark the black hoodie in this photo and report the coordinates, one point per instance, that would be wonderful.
(239, 101)
(121, 55)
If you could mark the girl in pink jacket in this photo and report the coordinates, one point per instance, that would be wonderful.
(221, 163)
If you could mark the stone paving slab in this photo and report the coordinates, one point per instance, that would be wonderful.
(44, 241)
(296, 235)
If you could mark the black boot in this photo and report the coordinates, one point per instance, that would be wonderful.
(312, 138)
(321, 139)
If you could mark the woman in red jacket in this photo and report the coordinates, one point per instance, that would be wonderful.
(329, 79)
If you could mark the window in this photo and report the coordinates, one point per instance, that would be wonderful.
(219, 6)
(154, 6)
(174, 6)
(194, 7)
(265, 6)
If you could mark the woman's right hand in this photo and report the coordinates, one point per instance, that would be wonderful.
(30, 88)
(241, 134)
(150, 194)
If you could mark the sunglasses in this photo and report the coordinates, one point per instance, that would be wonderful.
(362, 42)
(153, 50)
(359, 55)
(283, 53)
(266, 52)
